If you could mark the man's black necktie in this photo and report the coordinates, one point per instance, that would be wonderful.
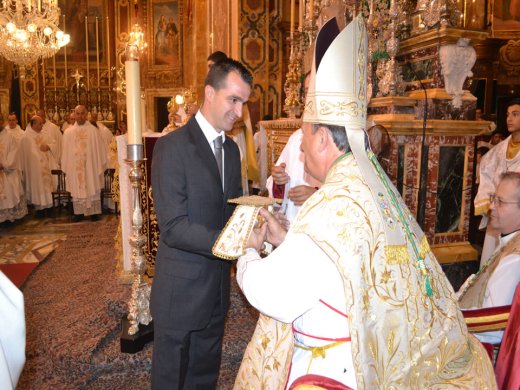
(217, 142)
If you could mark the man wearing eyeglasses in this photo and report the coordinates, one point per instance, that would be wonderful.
(504, 157)
(495, 283)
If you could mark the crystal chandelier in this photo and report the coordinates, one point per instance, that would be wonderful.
(137, 37)
(29, 30)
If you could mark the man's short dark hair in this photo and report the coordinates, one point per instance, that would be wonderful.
(338, 133)
(513, 102)
(217, 56)
(218, 72)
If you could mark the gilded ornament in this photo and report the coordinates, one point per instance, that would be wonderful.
(510, 58)
(339, 108)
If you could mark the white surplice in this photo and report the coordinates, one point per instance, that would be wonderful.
(292, 156)
(501, 284)
(17, 132)
(12, 199)
(84, 161)
(12, 336)
(108, 137)
(36, 167)
(56, 136)
(492, 165)
(304, 286)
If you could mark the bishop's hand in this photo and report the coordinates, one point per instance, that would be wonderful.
(257, 237)
(279, 175)
(276, 232)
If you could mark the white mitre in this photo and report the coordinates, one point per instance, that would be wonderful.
(337, 96)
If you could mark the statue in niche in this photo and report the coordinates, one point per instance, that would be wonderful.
(456, 63)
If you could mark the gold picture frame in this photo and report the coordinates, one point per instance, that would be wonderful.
(74, 13)
(504, 24)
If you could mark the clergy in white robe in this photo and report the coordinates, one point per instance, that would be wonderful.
(106, 134)
(381, 314)
(495, 284)
(288, 180)
(13, 128)
(54, 133)
(12, 199)
(295, 176)
(68, 120)
(84, 161)
(12, 334)
(504, 157)
(37, 161)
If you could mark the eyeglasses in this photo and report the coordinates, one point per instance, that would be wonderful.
(493, 199)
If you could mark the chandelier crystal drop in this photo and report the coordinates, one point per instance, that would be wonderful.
(29, 30)
(136, 37)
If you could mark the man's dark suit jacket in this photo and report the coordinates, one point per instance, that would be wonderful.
(191, 210)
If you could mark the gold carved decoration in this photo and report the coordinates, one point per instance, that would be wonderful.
(340, 108)
(277, 133)
(510, 58)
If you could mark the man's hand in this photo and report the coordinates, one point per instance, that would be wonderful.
(300, 194)
(275, 230)
(44, 148)
(282, 218)
(257, 238)
(464, 285)
(279, 175)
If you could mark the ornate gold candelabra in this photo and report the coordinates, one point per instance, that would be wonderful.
(138, 306)
(293, 105)
(293, 100)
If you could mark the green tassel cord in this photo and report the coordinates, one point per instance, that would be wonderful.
(427, 285)
(420, 254)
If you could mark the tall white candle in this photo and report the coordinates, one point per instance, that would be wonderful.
(54, 70)
(97, 54)
(292, 19)
(108, 56)
(86, 54)
(301, 6)
(133, 96)
(65, 55)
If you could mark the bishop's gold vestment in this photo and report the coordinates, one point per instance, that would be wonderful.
(402, 338)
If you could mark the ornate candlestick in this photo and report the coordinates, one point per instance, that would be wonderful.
(133, 338)
(292, 87)
(138, 306)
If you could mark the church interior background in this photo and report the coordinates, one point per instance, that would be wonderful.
(433, 63)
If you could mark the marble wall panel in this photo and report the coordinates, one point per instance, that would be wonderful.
(404, 171)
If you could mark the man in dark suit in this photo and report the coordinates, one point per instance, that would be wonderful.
(190, 292)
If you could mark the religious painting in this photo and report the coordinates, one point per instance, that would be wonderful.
(418, 70)
(78, 18)
(165, 32)
(505, 18)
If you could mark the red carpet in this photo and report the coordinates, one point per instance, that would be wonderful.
(18, 272)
